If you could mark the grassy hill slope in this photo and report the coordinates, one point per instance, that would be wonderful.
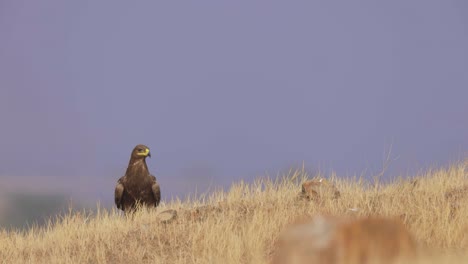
(242, 224)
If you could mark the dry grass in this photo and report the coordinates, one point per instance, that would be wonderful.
(243, 224)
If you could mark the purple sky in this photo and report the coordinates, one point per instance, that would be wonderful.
(229, 90)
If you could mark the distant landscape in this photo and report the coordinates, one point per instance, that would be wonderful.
(32, 200)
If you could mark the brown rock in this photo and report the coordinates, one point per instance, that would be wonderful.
(332, 240)
(319, 189)
(200, 213)
(167, 216)
(456, 195)
(456, 198)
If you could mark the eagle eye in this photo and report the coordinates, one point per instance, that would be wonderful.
(140, 150)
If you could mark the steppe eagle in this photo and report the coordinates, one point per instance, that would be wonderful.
(137, 186)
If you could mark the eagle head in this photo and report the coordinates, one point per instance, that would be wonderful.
(141, 152)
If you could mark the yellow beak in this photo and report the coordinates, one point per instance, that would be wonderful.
(147, 153)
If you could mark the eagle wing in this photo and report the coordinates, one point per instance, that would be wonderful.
(156, 190)
(119, 189)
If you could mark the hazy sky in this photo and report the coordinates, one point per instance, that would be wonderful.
(229, 90)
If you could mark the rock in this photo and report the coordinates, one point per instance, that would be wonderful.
(333, 240)
(319, 189)
(202, 212)
(456, 198)
(167, 216)
(457, 195)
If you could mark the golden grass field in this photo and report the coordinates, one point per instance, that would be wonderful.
(242, 225)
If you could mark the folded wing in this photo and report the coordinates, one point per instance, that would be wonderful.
(119, 189)
(156, 191)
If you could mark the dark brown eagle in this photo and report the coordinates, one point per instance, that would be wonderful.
(138, 186)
